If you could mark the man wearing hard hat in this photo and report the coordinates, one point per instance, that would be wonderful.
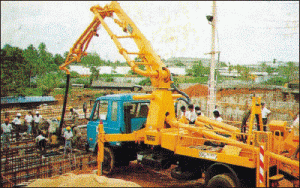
(17, 125)
(68, 138)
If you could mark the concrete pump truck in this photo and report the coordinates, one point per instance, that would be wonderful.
(144, 127)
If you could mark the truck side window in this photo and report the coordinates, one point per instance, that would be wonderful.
(100, 111)
(114, 112)
(143, 110)
(96, 112)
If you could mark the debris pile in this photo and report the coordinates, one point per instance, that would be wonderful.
(82, 180)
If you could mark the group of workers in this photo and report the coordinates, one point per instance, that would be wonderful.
(191, 115)
(32, 124)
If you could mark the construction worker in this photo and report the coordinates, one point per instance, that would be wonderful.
(53, 127)
(182, 116)
(41, 142)
(265, 112)
(217, 116)
(16, 123)
(68, 138)
(198, 110)
(37, 119)
(28, 122)
(84, 107)
(191, 115)
(74, 116)
(6, 128)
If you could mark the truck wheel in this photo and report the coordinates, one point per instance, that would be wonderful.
(221, 180)
(176, 173)
(108, 164)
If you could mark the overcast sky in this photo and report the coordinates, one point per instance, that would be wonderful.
(247, 32)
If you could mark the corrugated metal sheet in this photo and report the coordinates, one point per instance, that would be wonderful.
(27, 99)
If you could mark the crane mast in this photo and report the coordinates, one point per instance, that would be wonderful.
(159, 74)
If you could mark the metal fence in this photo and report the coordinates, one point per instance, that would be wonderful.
(17, 169)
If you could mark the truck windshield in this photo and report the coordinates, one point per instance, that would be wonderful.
(100, 111)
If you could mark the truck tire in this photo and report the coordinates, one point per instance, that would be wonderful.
(108, 164)
(221, 180)
(176, 173)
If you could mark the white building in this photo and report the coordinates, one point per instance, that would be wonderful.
(177, 71)
(80, 69)
(122, 70)
(105, 70)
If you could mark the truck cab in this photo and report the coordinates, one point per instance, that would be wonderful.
(119, 114)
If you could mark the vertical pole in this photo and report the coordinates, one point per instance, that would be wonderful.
(100, 148)
(64, 106)
(212, 92)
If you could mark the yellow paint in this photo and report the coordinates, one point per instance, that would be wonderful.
(231, 150)
(180, 137)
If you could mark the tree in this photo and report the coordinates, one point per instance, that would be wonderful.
(223, 64)
(45, 60)
(263, 66)
(58, 60)
(198, 69)
(14, 77)
(48, 82)
(31, 55)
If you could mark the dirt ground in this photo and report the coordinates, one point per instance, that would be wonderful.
(147, 177)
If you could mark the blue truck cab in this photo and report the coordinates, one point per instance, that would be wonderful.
(119, 114)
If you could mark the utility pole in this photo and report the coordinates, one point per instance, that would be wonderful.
(212, 84)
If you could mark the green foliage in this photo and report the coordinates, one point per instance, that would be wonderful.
(109, 78)
(279, 81)
(74, 74)
(175, 81)
(93, 59)
(98, 95)
(198, 70)
(83, 81)
(179, 64)
(48, 82)
(145, 82)
(200, 80)
(14, 71)
(223, 64)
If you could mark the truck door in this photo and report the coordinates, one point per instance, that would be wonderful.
(99, 112)
(139, 114)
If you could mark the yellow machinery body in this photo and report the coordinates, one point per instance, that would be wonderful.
(179, 137)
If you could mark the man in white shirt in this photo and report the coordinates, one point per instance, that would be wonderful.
(68, 137)
(37, 118)
(17, 125)
(6, 128)
(191, 114)
(217, 116)
(264, 114)
(28, 122)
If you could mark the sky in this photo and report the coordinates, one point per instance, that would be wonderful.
(248, 32)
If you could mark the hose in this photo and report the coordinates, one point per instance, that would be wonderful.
(64, 106)
(187, 100)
